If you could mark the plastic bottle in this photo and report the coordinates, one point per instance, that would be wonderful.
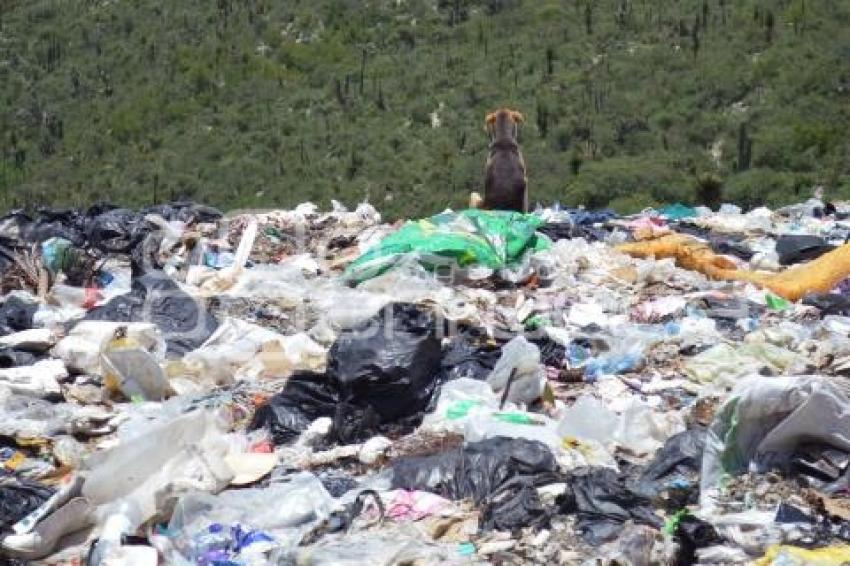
(611, 365)
(133, 370)
(122, 518)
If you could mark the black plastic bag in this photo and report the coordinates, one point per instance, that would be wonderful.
(552, 354)
(478, 469)
(829, 303)
(603, 501)
(462, 358)
(192, 213)
(582, 224)
(99, 208)
(184, 321)
(382, 372)
(794, 248)
(693, 533)
(353, 423)
(188, 212)
(19, 498)
(727, 244)
(305, 397)
(788, 514)
(676, 469)
(11, 358)
(116, 231)
(732, 247)
(514, 505)
(14, 224)
(391, 363)
(16, 315)
(42, 230)
(7, 254)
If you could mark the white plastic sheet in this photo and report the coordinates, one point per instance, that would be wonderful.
(765, 419)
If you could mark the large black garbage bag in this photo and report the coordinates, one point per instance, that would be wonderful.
(16, 315)
(514, 505)
(116, 231)
(478, 469)
(19, 498)
(184, 321)
(55, 223)
(602, 501)
(829, 303)
(381, 372)
(391, 363)
(305, 397)
(794, 248)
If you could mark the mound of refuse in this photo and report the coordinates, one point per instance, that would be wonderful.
(181, 386)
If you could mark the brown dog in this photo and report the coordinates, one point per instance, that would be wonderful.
(505, 185)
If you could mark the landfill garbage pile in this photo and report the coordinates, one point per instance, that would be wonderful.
(181, 386)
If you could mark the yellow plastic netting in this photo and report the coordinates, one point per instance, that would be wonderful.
(818, 276)
(828, 556)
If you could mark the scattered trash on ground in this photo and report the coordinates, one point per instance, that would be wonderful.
(303, 387)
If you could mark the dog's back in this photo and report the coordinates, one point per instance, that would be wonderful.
(504, 183)
(505, 186)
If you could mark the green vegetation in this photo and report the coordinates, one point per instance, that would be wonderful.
(251, 103)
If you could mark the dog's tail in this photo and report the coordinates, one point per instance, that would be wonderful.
(475, 200)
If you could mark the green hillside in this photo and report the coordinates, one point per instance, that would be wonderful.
(249, 103)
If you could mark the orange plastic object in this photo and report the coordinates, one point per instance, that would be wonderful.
(818, 276)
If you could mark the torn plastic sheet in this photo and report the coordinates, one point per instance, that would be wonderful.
(764, 420)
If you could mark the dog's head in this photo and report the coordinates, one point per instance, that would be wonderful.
(503, 124)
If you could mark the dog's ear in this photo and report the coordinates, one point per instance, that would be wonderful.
(517, 117)
(490, 124)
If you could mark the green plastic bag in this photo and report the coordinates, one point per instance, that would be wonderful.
(776, 303)
(460, 408)
(490, 238)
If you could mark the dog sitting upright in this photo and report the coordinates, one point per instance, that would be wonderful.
(505, 185)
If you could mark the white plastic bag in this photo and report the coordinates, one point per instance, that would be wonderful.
(589, 419)
(765, 419)
(241, 350)
(81, 349)
(521, 355)
(184, 454)
(39, 379)
(459, 400)
(285, 511)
